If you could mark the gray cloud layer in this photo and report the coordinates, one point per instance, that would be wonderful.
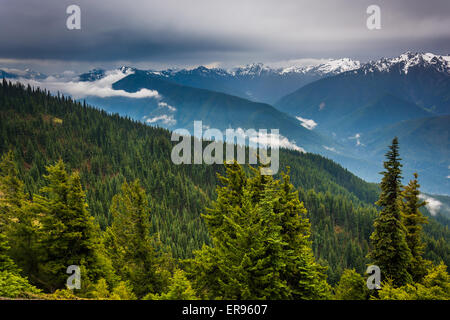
(164, 32)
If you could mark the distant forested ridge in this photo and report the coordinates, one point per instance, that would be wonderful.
(113, 159)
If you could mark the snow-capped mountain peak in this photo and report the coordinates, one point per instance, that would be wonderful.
(332, 67)
(254, 69)
(337, 66)
(126, 69)
(92, 75)
(404, 62)
(17, 73)
(97, 74)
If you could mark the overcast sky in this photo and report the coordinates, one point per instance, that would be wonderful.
(176, 33)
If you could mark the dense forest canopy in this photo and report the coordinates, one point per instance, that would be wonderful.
(65, 158)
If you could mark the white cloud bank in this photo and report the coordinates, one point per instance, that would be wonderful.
(165, 105)
(98, 88)
(265, 140)
(433, 205)
(164, 119)
(307, 123)
(332, 149)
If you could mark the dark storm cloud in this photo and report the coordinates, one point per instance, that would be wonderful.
(201, 31)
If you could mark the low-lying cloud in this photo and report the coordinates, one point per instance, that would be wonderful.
(165, 105)
(332, 149)
(99, 88)
(433, 205)
(307, 123)
(163, 119)
(265, 140)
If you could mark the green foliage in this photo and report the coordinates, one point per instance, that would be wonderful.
(413, 220)
(68, 235)
(6, 263)
(13, 285)
(351, 286)
(17, 221)
(439, 280)
(11, 187)
(389, 247)
(260, 249)
(435, 286)
(179, 289)
(62, 294)
(123, 291)
(100, 291)
(107, 150)
(137, 257)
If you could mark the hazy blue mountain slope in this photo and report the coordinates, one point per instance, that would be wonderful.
(385, 110)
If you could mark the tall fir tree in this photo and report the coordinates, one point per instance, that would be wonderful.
(179, 289)
(12, 284)
(11, 187)
(69, 235)
(390, 250)
(137, 256)
(413, 220)
(17, 220)
(304, 275)
(255, 228)
(351, 286)
(6, 263)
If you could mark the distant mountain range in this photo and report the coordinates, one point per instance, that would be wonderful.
(21, 74)
(407, 96)
(256, 82)
(179, 106)
(343, 109)
(423, 79)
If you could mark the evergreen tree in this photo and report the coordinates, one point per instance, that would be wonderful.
(435, 286)
(122, 291)
(17, 220)
(137, 257)
(11, 187)
(106, 149)
(351, 286)
(179, 289)
(12, 284)
(389, 248)
(248, 249)
(305, 277)
(413, 221)
(68, 235)
(255, 228)
(6, 263)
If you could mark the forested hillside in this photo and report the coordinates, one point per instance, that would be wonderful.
(108, 150)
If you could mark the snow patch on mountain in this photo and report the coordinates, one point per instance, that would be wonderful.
(336, 66)
(254, 69)
(332, 66)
